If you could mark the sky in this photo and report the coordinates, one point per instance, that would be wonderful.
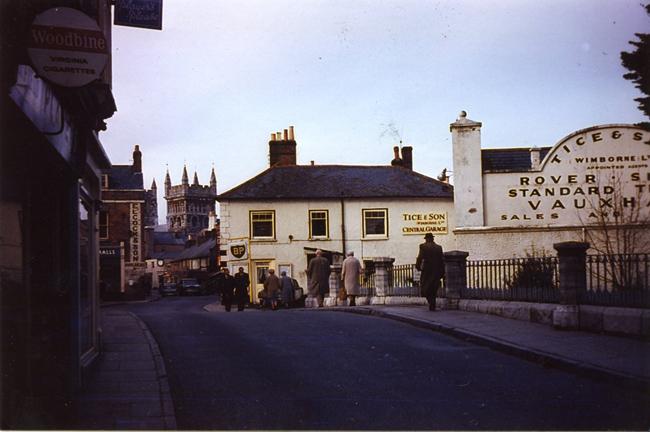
(356, 77)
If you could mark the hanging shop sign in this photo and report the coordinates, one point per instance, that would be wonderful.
(237, 250)
(139, 13)
(67, 47)
(422, 223)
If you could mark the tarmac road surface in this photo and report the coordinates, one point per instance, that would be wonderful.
(298, 369)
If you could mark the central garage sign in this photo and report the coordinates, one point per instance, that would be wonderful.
(67, 47)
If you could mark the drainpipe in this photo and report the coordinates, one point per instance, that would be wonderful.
(343, 226)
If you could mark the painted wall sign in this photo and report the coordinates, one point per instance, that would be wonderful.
(136, 221)
(590, 173)
(139, 13)
(422, 223)
(67, 47)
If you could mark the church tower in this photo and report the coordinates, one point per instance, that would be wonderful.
(189, 205)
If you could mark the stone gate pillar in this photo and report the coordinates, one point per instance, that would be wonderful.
(573, 281)
(382, 279)
(455, 278)
(335, 286)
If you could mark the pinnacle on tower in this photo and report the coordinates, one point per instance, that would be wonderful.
(184, 180)
(196, 179)
(153, 185)
(213, 182)
(168, 182)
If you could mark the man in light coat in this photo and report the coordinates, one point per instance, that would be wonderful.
(271, 289)
(318, 273)
(350, 272)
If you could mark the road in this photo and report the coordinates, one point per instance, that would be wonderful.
(301, 369)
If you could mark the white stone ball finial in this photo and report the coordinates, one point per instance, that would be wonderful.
(462, 115)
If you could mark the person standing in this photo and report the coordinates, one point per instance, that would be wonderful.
(318, 273)
(242, 282)
(227, 289)
(287, 289)
(350, 272)
(430, 262)
(271, 289)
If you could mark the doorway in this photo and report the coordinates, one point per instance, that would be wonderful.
(260, 273)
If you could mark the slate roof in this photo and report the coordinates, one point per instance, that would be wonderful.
(512, 159)
(168, 238)
(338, 181)
(123, 177)
(197, 251)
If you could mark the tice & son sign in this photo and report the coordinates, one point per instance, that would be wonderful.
(589, 174)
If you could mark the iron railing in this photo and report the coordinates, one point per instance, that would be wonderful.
(516, 279)
(367, 284)
(401, 281)
(617, 280)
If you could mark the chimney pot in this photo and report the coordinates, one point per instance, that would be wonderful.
(312, 163)
(286, 135)
(291, 136)
(272, 137)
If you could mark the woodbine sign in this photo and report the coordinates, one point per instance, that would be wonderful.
(67, 47)
(590, 172)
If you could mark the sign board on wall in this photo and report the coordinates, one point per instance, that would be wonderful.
(590, 173)
(139, 13)
(422, 223)
(67, 47)
(238, 250)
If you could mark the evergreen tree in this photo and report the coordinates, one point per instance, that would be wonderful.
(638, 63)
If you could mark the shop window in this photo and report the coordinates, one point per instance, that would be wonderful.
(262, 224)
(318, 224)
(375, 223)
(103, 225)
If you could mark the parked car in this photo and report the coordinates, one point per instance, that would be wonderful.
(188, 286)
(168, 288)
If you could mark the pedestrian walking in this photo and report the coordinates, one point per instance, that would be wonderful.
(227, 289)
(430, 262)
(287, 289)
(272, 289)
(242, 282)
(350, 272)
(318, 273)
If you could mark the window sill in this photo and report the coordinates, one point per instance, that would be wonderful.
(375, 238)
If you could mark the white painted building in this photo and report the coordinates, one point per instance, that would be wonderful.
(285, 213)
(518, 201)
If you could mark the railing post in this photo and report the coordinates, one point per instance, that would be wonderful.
(573, 281)
(335, 285)
(455, 277)
(382, 282)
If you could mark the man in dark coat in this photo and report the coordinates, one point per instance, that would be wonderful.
(318, 273)
(227, 289)
(431, 263)
(242, 282)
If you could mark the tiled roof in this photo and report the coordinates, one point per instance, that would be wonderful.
(512, 159)
(338, 181)
(123, 177)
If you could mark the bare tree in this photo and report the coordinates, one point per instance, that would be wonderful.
(616, 223)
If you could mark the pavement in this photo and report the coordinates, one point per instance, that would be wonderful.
(129, 389)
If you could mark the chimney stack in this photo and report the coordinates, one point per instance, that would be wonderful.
(137, 159)
(282, 148)
(397, 161)
(407, 157)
